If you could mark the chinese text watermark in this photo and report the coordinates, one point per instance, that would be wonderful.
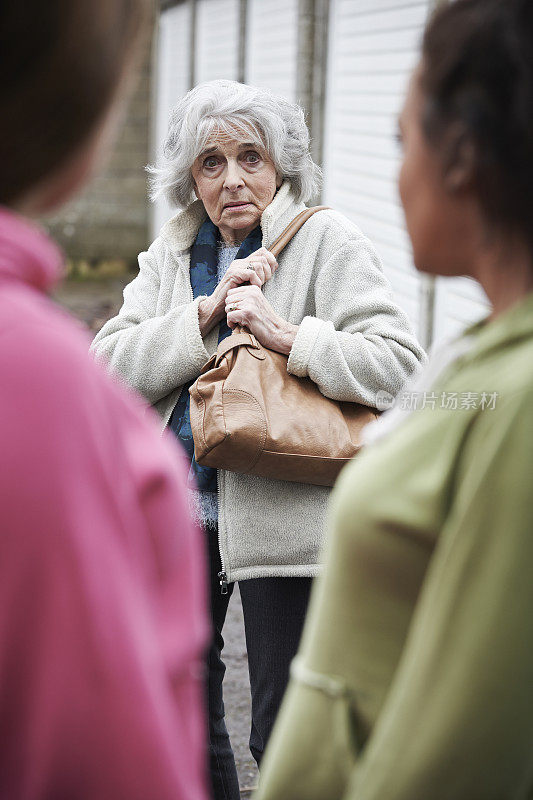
(449, 401)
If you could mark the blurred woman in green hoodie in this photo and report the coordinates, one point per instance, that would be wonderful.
(414, 679)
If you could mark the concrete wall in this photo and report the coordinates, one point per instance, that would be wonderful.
(109, 220)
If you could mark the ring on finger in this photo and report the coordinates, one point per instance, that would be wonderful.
(232, 308)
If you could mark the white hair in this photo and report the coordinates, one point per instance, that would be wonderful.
(239, 110)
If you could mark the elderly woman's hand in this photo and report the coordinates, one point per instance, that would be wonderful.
(262, 262)
(255, 270)
(246, 305)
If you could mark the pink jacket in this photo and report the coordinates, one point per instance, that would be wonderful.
(102, 618)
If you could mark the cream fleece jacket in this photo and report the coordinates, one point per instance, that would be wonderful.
(353, 340)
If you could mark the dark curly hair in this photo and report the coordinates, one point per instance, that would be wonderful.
(60, 64)
(477, 81)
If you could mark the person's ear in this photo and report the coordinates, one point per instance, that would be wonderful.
(460, 162)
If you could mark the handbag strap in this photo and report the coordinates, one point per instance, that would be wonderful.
(241, 337)
(283, 239)
(293, 228)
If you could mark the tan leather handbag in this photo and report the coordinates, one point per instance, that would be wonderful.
(248, 414)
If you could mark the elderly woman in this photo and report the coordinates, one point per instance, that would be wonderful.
(244, 153)
(415, 676)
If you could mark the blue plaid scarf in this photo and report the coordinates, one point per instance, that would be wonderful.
(204, 278)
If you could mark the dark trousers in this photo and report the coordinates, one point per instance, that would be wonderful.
(274, 612)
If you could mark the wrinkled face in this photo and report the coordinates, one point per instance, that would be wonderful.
(441, 218)
(236, 180)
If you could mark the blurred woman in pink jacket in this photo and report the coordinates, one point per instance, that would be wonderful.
(102, 623)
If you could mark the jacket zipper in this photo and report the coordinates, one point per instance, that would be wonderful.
(223, 580)
(222, 575)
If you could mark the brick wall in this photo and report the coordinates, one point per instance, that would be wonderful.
(108, 222)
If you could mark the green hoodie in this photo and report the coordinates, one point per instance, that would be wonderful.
(414, 679)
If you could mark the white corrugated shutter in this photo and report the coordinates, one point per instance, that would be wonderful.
(173, 55)
(217, 40)
(458, 302)
(373, 47)
(271, 45)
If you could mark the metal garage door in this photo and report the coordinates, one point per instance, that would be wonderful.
(217, 40)
(458, 303)
(173, 57)
(373, 47)
(271, 45)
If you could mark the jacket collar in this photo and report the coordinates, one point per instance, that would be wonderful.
(180, 231)
(27, 254)
(279, 213)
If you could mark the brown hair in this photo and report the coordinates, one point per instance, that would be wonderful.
(61, 62)
(477, 79)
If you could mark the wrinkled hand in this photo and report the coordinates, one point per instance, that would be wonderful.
(256, 270)
(246, 305)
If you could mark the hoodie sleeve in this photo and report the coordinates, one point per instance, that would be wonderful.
(102, 607)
